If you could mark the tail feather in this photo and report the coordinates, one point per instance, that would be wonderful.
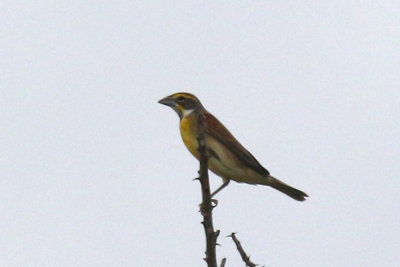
(286, 189)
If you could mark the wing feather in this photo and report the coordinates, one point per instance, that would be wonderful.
(217, 130)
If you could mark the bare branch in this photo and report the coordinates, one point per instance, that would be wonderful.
(239, 247)
(206, 207)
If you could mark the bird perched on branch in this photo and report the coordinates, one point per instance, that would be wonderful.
(227, 158)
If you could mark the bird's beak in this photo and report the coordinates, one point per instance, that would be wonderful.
(168, 101)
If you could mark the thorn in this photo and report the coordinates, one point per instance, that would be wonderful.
(231, 235)
(223, 262)
(197, 178)
(217, 233)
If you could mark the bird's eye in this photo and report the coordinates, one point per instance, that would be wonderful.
(181, 98)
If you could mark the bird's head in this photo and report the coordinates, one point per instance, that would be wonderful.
(182, 103)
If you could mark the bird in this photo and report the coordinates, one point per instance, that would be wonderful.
(227, 158)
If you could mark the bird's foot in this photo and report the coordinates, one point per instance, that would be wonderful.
(214, 203)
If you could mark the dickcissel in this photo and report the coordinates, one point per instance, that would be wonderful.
(227, 158)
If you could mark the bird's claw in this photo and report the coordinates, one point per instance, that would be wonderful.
(214, 203)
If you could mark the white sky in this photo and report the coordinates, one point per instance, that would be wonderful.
(93, 171)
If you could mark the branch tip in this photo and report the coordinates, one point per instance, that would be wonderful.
(245, 258)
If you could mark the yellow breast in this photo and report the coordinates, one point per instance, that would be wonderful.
(188, 127)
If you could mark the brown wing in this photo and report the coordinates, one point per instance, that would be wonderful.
(216, 129)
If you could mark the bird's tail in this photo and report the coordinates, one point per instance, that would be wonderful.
(286, 189)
